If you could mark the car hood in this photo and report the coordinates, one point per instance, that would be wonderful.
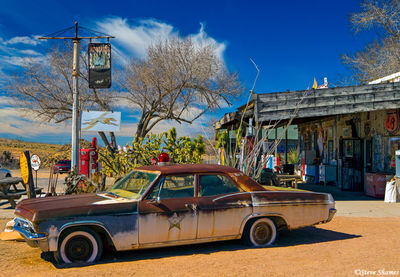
(45, 208)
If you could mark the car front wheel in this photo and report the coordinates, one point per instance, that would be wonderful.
(79, 246)
(261, 233)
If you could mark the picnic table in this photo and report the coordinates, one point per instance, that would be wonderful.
(10, 191)
(289, 180)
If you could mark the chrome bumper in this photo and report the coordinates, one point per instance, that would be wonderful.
(332, 212)
(34, 239)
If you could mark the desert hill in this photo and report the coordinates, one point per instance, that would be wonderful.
(10, 150)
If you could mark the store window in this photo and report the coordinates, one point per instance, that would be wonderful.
(392, 144)
(384, 149)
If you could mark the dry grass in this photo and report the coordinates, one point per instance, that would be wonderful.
(47, 152)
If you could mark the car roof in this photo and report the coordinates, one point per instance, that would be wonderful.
(189, 168)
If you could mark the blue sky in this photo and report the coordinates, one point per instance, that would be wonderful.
(291, 42)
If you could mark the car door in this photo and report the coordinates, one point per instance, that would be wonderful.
(222, 207)
(169, 215)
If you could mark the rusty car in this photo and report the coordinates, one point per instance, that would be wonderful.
(167, 205)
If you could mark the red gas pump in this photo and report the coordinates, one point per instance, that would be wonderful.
(89, 160)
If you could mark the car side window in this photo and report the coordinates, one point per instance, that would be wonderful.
(176, 186)
(215, 185)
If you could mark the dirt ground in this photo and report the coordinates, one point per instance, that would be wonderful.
(347, 246)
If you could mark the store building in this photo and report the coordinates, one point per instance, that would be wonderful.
(347, 136)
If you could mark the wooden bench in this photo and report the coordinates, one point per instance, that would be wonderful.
(9, 190)
(289, 179)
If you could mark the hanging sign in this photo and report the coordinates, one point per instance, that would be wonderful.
(392, 121)
(101, 121)
(99, 65)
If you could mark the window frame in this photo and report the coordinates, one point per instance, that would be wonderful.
(161, 181)
(215, 173)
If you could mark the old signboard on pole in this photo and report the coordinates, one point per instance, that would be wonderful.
(99, 65)
(26, 173)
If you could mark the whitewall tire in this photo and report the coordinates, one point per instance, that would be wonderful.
(79, 246)
(261, 233)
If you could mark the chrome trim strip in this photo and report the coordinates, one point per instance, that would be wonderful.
(290, 203)
(231, 194)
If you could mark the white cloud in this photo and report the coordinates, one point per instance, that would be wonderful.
(16, 121)
(202, 38)
(30, 52)
(20, 61)
(135, 38)
(6, 100)
(18, 51)
(32, 40)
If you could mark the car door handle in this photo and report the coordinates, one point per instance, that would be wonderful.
(191, 206)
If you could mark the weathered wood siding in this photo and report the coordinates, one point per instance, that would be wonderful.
(325, 102)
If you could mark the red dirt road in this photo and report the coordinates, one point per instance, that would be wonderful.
(344, 247)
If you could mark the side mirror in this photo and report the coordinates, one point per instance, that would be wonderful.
(155, 200)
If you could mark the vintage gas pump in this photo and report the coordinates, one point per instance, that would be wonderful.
(89, 160)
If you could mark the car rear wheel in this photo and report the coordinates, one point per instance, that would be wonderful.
(261, 232)
(79, 246)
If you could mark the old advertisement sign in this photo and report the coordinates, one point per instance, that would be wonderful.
(35, 162)
(99, 65)
(101, 121)
(392, 121)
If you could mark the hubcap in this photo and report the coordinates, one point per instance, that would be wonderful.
(79, 249)
(262, 233)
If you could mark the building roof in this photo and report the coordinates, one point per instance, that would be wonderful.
(395, 77)
(327, 102)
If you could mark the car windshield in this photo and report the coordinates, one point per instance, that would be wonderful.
(134, 184)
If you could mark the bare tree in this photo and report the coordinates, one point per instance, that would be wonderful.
(45, 89)
(382, 57)
(179, 80)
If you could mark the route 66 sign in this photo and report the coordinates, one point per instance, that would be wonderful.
(392, 121)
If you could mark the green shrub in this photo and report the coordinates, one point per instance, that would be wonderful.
(142, 150)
